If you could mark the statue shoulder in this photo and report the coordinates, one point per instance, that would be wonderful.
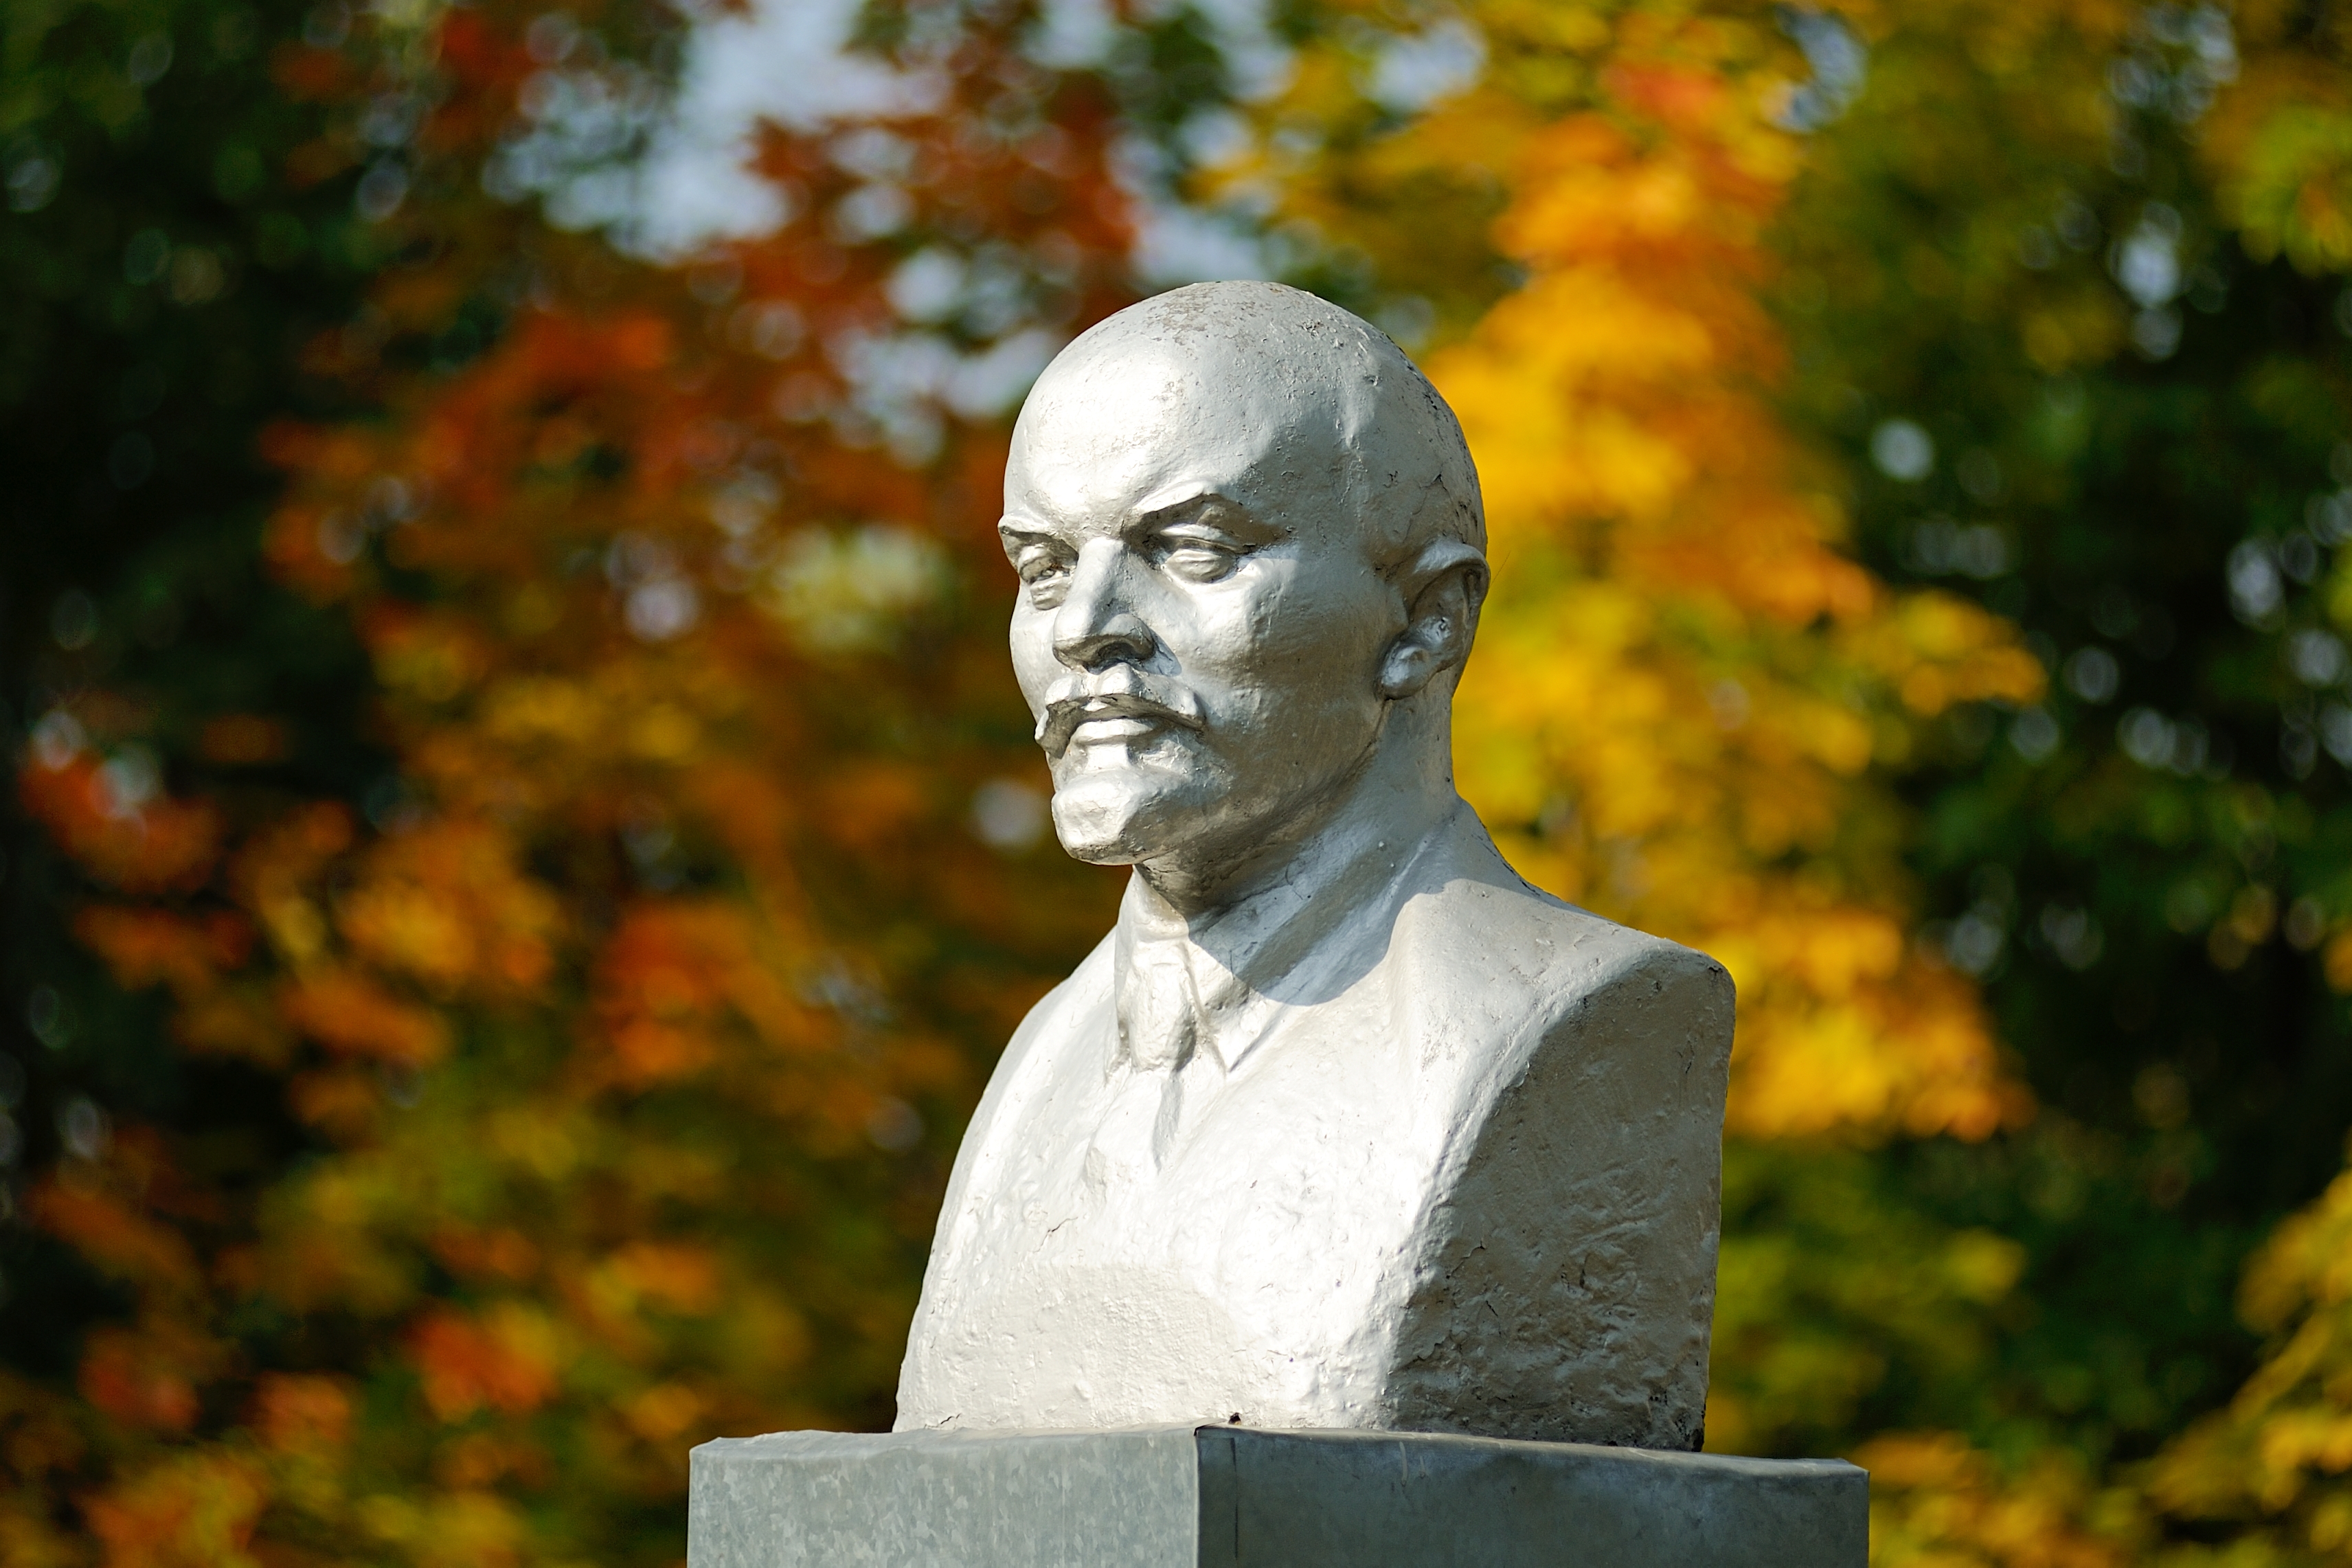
(1565, 1276)
(1086, 988)
(1044, 1031)
(1564, 1273)
(1500, 956)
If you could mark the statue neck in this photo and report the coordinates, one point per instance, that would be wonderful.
(1401, 794)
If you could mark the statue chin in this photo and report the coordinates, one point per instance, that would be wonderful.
(1196, 815)
(1127, 816)
(1120, 821)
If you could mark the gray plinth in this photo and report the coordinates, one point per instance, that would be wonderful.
(1184, 1497)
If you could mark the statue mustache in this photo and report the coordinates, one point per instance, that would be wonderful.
(1121, 692)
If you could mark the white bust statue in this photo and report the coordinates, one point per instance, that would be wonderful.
(1344, 1123)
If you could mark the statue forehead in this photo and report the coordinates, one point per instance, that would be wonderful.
(1144, 402)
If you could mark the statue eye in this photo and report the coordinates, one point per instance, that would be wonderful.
(1199, 558)
(1046, 573)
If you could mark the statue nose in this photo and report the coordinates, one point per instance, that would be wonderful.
(1095, 626)
(1122, 637)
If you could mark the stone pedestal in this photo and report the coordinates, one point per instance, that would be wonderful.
(1185, 1496)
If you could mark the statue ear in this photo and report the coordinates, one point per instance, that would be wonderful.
(1442, 588)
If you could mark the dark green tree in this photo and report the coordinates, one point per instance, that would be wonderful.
(2063, 385)
(181, 231)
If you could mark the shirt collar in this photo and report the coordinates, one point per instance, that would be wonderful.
(1210, 984)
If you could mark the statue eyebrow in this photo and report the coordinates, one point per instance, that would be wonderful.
(1154, 508)
(1153, 512)
(1021, 531)
(1183, 493)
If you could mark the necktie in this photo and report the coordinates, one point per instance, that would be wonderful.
(1158, 1005)
(1164, 1036)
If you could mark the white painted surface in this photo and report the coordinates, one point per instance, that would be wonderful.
(1344, 1124)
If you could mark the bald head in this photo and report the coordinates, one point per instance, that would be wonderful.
(1264, 389)
(1251, 557)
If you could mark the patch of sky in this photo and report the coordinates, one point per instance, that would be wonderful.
(1257, 63)
(1838, 59)
(1412, 70)
(1903, 450)
(2146, 264)
(781, 61)
(788, 62)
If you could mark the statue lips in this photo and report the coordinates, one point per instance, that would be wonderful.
(1126, 702)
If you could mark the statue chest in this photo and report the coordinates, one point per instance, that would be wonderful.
(1197, 1239)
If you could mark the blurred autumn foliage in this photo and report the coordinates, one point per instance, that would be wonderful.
(527, 846)
(611, 1028)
